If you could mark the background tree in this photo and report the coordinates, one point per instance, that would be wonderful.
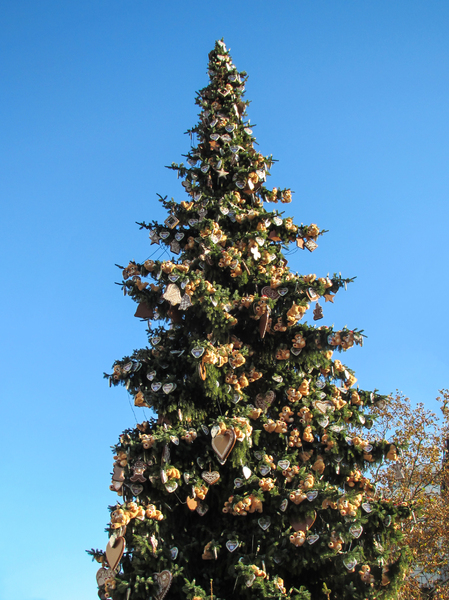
(420, 478)
(249, 481)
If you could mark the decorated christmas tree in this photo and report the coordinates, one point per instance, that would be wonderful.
(250, 479)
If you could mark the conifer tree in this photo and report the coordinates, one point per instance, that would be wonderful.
(249, 480)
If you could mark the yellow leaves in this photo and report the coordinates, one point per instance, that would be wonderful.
(422, 435)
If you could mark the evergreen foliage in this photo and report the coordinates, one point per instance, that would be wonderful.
(249, 480)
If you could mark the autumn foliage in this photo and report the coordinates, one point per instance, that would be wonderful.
(421, 478)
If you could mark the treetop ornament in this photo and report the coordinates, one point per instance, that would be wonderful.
(251, 480)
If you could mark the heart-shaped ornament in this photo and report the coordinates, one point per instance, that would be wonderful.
(103, 575)
(200, 462)
(313, 538)
(232, 545)
(197, 352)
(250, 580)
(174, 440)
(171, 486)
(284, 505)
(283, 464)
(355, 531)
(164, 235)
(168, 387)
(136, 489)
(269, 292)
(202, 509)
(155, 340)
(312, 495)
(277, 378)
(264, 470)
(324, 421)
(192, 503)
(238, 482)
(264, 523)
(302, 525)
(156, 386)
(283, 291)
(163, 582)
(222, 444)
(151, 375)
(210, 477)
(179, 236)
(264, 401)
(350, 563)
(173, 278)
(174, 553)
(114, 551)
(186, 477)
(296, 351)
(323, 407)
(367, 507)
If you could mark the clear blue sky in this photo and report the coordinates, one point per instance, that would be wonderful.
(350, 96)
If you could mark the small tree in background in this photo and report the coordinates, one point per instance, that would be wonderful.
(250, 479)
(419, 478)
